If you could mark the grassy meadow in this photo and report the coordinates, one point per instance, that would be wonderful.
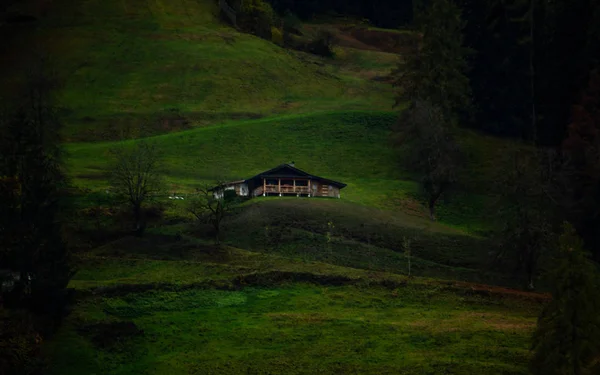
(237, 312)
(296, 329)
(220, 104)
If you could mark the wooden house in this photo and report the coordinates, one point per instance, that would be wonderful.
(283, 180)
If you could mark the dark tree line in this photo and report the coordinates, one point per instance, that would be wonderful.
(532, 59)
(580, 177)
(382, 13)
(533, 75)
(524, 86)
(32, 181)
(33, 252)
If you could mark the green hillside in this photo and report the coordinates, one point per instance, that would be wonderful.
(349, 146)
(230, 104)
(170, 65)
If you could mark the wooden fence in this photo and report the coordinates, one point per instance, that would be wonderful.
(229, 12)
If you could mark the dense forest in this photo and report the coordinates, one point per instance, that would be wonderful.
(382, 13)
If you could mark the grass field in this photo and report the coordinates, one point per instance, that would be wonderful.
(243, 312)
(349, 146)
(296, 329)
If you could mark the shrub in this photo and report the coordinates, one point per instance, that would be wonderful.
(276, 36)
(295, 42)
(256, 16)
(19, 343)
(156, 211)
(323, 44)
(291, 23)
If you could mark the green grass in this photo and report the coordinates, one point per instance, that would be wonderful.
(236, 311)
(361, 237)
(168, 66)
(365, 238)
(127, 63)
(352, 147)
(298, 329)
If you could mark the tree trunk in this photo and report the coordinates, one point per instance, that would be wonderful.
(532, 72)
(139, 222)
(530, 285)
(432, 209)
(217, 227)
(432, 201)
(530, 275)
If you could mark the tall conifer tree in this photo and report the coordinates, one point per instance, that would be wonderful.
(567, 339)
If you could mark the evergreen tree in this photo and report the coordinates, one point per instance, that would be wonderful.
(581, 170)
(567, 339)
(531, 59)
(435, 71)
(432, 79)
(525, 213)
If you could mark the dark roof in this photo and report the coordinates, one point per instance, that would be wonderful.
(225, 184)
(288, 171)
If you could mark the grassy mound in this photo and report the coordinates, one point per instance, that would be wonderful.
(356, 236)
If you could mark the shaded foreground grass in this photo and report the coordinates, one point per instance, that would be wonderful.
(297, 228)
(164, 305)
(297, 329)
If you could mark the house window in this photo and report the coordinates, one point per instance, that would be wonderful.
(301, 182)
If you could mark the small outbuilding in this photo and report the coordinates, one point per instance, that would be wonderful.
(283, 180)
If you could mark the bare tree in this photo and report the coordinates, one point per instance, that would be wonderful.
(212, 205)
(432, 150)
(135, 177)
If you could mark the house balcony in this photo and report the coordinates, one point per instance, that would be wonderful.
(286, 189)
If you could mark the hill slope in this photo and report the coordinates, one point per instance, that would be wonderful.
(170, 65)
(350, 146)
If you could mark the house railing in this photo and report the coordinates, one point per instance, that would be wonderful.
(286, 189)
